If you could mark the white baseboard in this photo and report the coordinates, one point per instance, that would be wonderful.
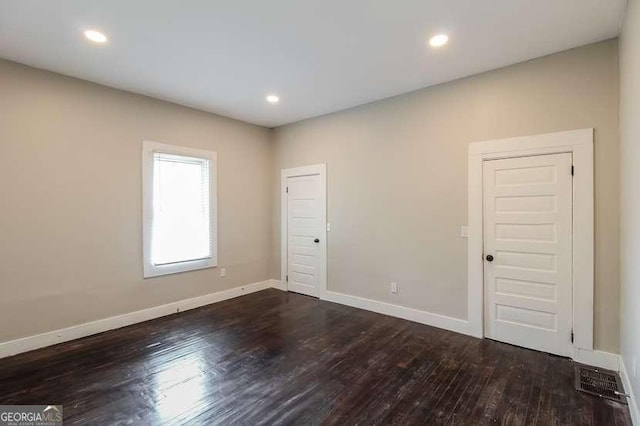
(633, 404)
(596, 358)
(415, 315)
(29, 343)
(410, 314)
(279, 285)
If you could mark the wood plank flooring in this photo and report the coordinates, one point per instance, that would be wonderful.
(281, 358)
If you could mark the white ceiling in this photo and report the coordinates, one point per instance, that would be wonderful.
(319, 56)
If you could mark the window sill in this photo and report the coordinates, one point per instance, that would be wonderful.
(151, 270)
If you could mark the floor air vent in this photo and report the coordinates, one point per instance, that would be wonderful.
(604, 384)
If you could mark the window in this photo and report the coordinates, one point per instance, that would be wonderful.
(179, 209)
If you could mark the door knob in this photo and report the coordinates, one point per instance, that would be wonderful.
(316, 240)
(489, 258)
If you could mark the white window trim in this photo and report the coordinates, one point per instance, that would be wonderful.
(580, 144)
(148, 149)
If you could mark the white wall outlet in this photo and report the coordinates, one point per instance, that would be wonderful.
(634, 368)
(464, 231)
(223, 272)
(394, 288)
(328, 227)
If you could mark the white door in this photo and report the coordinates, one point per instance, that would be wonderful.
(528, 251)
(304, 233)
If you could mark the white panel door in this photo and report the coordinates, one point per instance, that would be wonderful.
(528, 251)
(304, 230)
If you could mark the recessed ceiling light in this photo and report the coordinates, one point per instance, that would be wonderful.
(95, 36)
(439, 40)
(273, 99)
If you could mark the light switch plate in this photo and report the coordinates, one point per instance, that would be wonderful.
(223, 272)
(464, 231)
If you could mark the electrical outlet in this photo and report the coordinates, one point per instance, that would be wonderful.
(634, 369)
(223, 272)
(394, 288)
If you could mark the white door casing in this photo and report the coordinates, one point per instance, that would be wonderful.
(303, 240)
(528, 254)
(580, 144)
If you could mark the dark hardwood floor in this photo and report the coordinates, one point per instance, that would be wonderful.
(281, 358)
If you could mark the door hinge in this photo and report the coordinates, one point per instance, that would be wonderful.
(572, 336)
(572, 170)
(287, 189)
(287, 278)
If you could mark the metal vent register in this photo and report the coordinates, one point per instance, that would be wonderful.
(604, 384)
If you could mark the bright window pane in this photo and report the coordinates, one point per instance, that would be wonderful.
(181, 222)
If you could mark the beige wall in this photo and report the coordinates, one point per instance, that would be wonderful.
(70, 234)
(397, 176)
(630, 193)
(70, 191)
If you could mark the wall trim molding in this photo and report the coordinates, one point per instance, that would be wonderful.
(633, 402)
(29, 343)
(601, 359)
(279, 285)
(410, 314)
(13, 347)
(595, 358)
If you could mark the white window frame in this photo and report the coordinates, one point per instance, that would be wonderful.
(148, 149)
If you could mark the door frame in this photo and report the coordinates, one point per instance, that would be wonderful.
(317, 169)
(580, 144)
